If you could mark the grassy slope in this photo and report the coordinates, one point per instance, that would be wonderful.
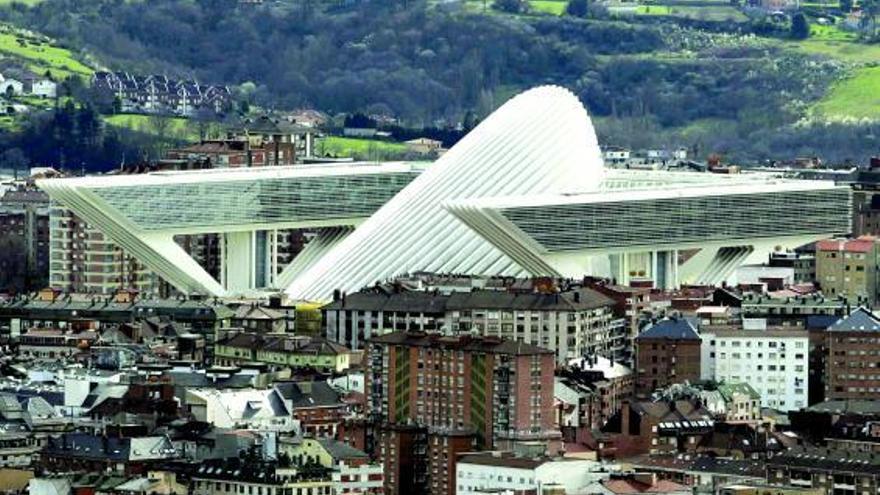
(40, 56)
(178, 127)
(553, 7)
(356, 147)
(855, 97)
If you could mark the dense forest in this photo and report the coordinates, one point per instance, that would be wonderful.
(646, 82)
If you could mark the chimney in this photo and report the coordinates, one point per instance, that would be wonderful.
(577, 296)
(624, 417)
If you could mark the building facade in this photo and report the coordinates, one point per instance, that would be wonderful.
(853, 353)
(667, 352)
(849, 269)
(467, 392)
(775, 362)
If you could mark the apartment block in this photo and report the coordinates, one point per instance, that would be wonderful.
(571, 323)
(775, 362)
(849, 268)
(853, 357)
(469, 393)
(667, 352)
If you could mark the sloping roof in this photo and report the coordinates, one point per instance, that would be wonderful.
(309, 394)
(627, 486)
(341, 450)
(671, 328)
(860, 320)
(727, 390)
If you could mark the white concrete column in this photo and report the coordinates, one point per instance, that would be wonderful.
(238, 262)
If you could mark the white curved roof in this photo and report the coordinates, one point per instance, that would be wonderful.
(541, 141)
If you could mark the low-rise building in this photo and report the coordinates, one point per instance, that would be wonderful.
(481, 473)
(834, 472)
(282, 350)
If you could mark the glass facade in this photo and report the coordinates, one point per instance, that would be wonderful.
(253, 201)
(643, 222)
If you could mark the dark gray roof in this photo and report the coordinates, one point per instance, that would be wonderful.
(309, 394)
(863, 406)
(341, 450)
(672, 328)
(860, 320)
(488, 345)
(437, 303)
(828, 460)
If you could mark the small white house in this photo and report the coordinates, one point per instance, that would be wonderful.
(43, 88)
(10, 86)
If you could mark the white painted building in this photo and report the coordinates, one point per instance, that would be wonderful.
(496, 472)
(774, 362)
(43, 88)
(251, 409)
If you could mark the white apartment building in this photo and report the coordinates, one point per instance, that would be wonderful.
(774, 362)
(494, 472)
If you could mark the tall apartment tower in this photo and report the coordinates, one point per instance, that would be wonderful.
(438, 395)
(82, 259)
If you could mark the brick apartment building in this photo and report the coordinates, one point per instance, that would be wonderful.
(667, 352)
(461, 394)
(836, 472)
(853, 347)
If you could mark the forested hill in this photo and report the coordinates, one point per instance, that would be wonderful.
(648, 83)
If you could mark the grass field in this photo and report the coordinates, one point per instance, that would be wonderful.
(339, 146)
(554, 7)
(40, 56)
(178, 127)
(855, 97)
(707, 12)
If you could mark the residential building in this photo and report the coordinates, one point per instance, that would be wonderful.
(159, 94)
(99, 453)
(588, 392)
(572, 323)
(250, 409)
(468, 392)
(24, 229)
(853, 356)
(234, 476)
(479, 473)
(802, 261)
(353, 473)
(849, 268)
(741, 402)
(667, 352)
(661, 427)
(775, 362)
(42, 88)
(282, 350)
(318, 407)
(424, 146)
(761, 310)
(833, 471)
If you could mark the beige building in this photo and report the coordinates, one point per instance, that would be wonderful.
(848, 268)
(83, 260)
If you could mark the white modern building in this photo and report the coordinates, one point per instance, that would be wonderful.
(494, 472)
(525, 193)
(774, 362)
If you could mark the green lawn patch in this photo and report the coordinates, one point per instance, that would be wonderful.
(41, 56)
(553, 7)
(846, 51)
(175, 127)
(854, 97)
(339, 146)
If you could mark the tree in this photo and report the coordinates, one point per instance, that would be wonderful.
(846, 5)
(577, 8)
(511, 6)
(800, 27)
